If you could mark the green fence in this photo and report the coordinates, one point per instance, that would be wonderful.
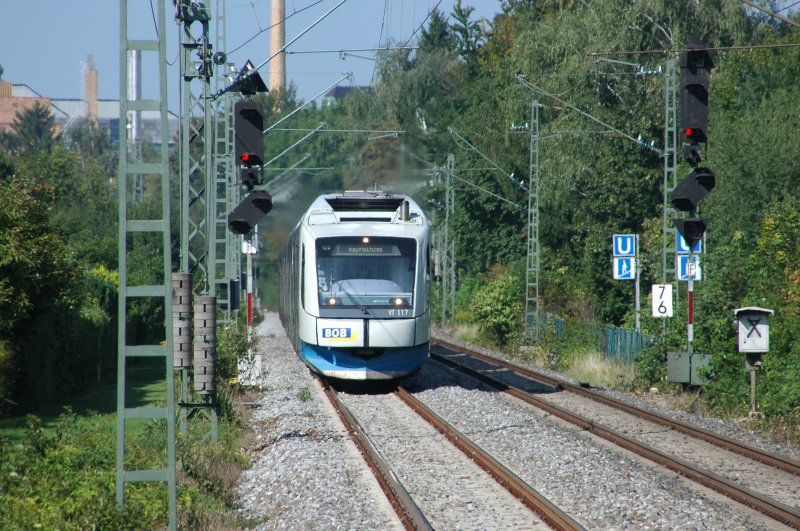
(622, 344)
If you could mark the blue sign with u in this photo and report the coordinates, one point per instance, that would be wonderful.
(624, 244)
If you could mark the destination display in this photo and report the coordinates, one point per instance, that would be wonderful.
(366, 249)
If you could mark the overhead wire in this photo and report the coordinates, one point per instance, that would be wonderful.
(484, 190)
(524, 81)
(430, 12)
(771, 13)
(788, 7)
(260, 31)
(366, 131)
(283, 48)
(380, 38)
(155, 24)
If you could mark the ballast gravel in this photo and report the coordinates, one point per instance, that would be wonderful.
(656, 403)
(307, 474)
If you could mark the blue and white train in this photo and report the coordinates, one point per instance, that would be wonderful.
(355, 290)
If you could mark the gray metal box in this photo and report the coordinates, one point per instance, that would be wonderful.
(683, 367)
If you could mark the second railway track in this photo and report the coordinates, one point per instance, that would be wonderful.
(770, 486)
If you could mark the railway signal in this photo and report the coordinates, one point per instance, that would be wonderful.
(246, 215)
(686, 197)
(695, 65)
(248, 128)
(688, 194)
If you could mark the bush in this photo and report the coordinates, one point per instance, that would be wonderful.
(6, 377)
(232, 345)
(66, 479)
(497, 309)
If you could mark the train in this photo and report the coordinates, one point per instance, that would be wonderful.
(355, 286)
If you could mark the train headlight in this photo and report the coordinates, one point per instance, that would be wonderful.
(332, 301)
(399, 302)
(365, 239)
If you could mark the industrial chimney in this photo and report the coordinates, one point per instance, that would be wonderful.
(277, 67)
(90, 89)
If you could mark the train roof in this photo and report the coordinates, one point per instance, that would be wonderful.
(365, 206)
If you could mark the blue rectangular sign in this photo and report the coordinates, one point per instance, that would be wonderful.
(624, 244)
(683, 264)
(337, 333)
(624, 268)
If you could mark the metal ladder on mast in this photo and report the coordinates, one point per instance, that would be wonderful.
(134, 234)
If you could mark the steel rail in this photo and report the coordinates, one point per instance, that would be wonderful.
(772, 508)
(401, 501)
(535, 501)
(756, 454)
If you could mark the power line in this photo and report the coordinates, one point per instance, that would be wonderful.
(772, 13)
(270, 128)
(521, 79)
(788, 7)
(368, 131)
(248, 41)
(484, 190)
(285, 151)
(282, 50)
(667, 51)
(348, 50)
(460, 138)
(423, 22)
(380, 36)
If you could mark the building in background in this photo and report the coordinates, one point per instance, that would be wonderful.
(15, 98)
(341, 91)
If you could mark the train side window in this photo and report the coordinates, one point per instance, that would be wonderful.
(303, 276)
(428, 261)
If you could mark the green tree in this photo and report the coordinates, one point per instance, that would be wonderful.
(438, 35)
(34, 267)
(33, 129)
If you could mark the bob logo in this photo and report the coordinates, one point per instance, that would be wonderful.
(337, 333)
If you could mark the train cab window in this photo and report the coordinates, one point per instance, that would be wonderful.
(366, 272)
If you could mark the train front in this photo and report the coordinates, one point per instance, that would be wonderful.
(366, 284)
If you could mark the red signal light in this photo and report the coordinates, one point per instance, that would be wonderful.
(245, 157)
(694, 134)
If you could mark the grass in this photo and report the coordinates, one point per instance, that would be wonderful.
(147, 386)
(596, 370)
(74, 453)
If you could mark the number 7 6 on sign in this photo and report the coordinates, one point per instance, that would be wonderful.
(662, 300)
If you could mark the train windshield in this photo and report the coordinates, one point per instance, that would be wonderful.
(366, 272)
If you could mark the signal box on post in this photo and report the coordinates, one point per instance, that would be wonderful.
(695, 65)
(248, 128)
(246, 215)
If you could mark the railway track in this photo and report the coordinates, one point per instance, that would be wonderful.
(401, 501)
(457, 357)
(410, 514)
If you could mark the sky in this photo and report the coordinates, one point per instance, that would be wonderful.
(45, 43)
